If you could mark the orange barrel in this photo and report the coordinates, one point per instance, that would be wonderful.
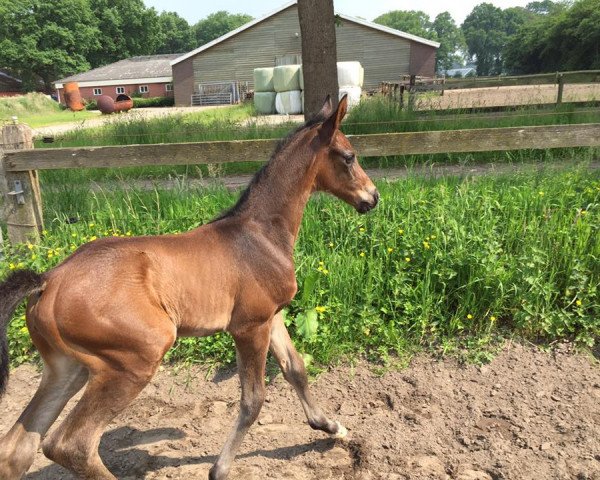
(73, 96)
(123, 103)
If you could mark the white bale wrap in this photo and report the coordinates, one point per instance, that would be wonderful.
(362, 77)
(263, 79)
(349, 74)
(353, 95)
(301, 78)
(289, 103)
(264, 102)
(286, 78)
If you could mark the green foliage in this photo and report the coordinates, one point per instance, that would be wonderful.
(485, 33)
(452, 42)
(127, 28)
(153, 102)
(560, 39)
(176, 35)
(43, 40)
(217, 24)
(409, 21)
(438, 262)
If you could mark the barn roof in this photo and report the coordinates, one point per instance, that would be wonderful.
(142, 67)
(348, 18)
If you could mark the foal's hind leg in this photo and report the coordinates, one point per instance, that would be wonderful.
(74, 444)
(294, 372)
(62, 378)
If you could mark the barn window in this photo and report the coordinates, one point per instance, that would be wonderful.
(143, 88)
(97, 91)
(120, 90)
(169, 87)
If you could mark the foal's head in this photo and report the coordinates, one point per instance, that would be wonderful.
(338, 171)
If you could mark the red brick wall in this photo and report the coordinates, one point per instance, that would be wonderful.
(422, 60)
(183, 77)
(154, 90)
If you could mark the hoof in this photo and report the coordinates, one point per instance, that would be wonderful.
(341, 431)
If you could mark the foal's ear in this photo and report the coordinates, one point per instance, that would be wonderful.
(326, 109)
(334, 121)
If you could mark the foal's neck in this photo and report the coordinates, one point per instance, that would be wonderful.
(279, 195)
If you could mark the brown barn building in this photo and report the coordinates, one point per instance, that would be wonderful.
(145, 76)
(9, 85)
(274, 40)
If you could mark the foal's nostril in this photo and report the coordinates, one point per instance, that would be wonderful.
(375, 198)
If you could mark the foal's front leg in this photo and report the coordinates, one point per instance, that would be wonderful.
(251, 349)
(293, 369)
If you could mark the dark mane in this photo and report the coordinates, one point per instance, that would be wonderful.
(264, 170)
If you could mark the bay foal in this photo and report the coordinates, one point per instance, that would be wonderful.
(109, 312)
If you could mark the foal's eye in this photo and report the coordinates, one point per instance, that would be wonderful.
(349, 158)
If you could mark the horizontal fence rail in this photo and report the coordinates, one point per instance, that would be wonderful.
(372, 145)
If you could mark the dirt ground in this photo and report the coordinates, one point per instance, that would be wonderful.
(507, 96)
(526, 415)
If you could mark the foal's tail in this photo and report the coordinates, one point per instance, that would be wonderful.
(13, 290)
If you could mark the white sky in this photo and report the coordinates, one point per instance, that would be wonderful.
(459, 9)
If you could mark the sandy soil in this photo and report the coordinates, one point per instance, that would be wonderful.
(507, 96)
(527, 415)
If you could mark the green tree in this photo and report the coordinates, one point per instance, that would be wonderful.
(127, 28)
(451, 39)
(176, 35)
(561, 38)
(44, 40)
(415, 22)
(217, 24)
(485, 34)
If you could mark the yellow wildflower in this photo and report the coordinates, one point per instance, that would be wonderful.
(320, 309)
(492, 318)
(469, 316)
(128, 233)
(390, 249)
(426, 245)
(93, 237)
(73, 234)
(578, 303)
(91, 225)
(29, 246)
(33, 256)
(12, 266)
(584, 212)
(407, 259)
(361, 229)
(362, 254)
(400, 231)
(331, 244)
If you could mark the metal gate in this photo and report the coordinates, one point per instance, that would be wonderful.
(220, 93)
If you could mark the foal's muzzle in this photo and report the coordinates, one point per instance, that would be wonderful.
(365, 205)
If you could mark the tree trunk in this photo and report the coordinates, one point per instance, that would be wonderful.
(319, 56)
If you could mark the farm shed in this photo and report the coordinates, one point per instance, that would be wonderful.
(274, 40)
(146, 76)
(9, 85)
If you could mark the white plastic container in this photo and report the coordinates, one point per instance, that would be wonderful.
(349, 74)
(353, 95)
(264, 102)
(263, 80)
(289, 103)
(286, 78)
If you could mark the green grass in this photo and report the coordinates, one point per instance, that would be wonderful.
(37, 110)
(437, 262)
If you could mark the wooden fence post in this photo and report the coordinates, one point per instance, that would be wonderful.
(20, 190)
(561, 84)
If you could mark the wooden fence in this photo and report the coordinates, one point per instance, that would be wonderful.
(20, 162)
(414, 84)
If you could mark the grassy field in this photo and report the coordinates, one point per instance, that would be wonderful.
(439, 264)
(37, 110)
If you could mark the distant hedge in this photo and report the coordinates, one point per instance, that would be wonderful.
(153, 102)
